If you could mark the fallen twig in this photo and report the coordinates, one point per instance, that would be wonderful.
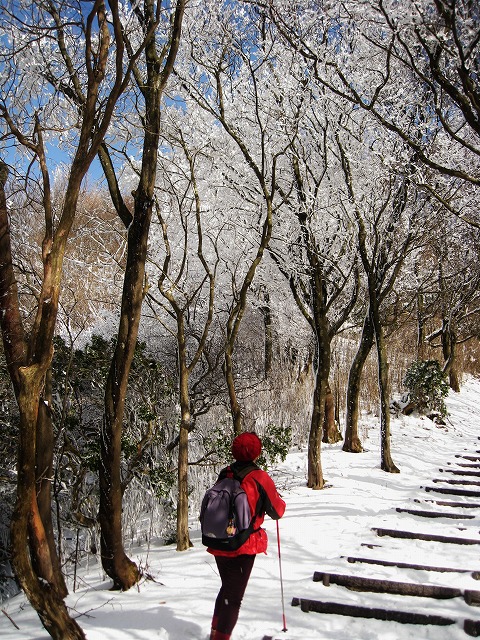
(86, 613)
(12, 621)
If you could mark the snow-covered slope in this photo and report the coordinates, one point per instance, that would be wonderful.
(319, 530)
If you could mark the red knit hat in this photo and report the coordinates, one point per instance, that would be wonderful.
(247, 446)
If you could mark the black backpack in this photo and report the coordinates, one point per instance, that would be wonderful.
(225, 516)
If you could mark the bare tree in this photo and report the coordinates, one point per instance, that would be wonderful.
(235, 76)
(451, 293)
(413, 67)
(159, 61)
(186, 282)
(29, 349)
(321, 268)
(382, 257)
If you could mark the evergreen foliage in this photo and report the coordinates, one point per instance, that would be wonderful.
(276, 442)
(427, 386)
(78, 383)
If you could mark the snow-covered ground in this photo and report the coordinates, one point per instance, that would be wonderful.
(319, 530)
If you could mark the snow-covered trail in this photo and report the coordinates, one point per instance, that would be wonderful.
(319, 530)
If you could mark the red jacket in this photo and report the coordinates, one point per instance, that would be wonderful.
(263, 498)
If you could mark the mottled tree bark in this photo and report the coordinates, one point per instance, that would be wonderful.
(387, 463)
(449, 350)
(315, 478)
(123, 571)
(34, 556)
(267, 323)
(183, 535)
(331, 433)
(117, 565)
(352, 441)
(29, 359)
(44, 474)
(322, 371)
(235, 408)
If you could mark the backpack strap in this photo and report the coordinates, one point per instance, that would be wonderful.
(241, 473)
(238, 473)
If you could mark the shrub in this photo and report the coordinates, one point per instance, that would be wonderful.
(276, 442)
(427, 386)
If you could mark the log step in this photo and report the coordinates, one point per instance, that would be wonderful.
(407, 565)
(404, 617)
(454, 492)
(434, 514)
(461, 472)
(472, 628)
(467, 465)
(410, 535)
(374, 585)
(445, 503)
(472, 458)
(461, 482)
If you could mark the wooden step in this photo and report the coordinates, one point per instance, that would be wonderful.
(374, 585)
(435, 514)
(472, 628)
(454, 492)
(466, 465)
(461, 472)
(448, 503)
(461, 482)
(472, 458)
(407, 565)
(404, 617)
(410, 535)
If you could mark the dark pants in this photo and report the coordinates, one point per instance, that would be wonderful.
(234, 573)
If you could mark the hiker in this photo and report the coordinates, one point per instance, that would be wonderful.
(235, 567)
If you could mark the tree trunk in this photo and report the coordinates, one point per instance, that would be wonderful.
(27, 530)
(44, 474)
(239, 306)
(322, 373)
(352, 442)
(183, 537)
(449, 344)
(235, 409)
(267, 323)
(331, 433)
(30, 546)
(374, 285)
(420, 328)
(387, 463)
(315, 474)
(117, 565)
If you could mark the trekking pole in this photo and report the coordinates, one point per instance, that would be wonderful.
(281, 577)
